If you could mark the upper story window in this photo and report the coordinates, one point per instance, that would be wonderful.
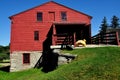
(63, 16)
(36, 35)
(39, 16)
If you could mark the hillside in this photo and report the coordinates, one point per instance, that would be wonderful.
(91, 64)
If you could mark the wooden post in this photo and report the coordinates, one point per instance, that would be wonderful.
(90, 34)
(117, 38)
(106, 38)
(99, 39)
(74, 35)
(54, 36)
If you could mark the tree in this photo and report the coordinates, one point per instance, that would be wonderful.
(103, 26)
(4, 52)
(115, 22)
(3, 56)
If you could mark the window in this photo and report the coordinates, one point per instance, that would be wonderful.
(39, 16)
(36, 35)
(26, 58)
(63, 16)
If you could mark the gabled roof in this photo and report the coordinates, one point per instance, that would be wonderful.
(48, 3)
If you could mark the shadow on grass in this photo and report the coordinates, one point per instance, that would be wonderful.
(5, 68)
(49, 61)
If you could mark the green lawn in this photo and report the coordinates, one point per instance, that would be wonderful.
(91, 64)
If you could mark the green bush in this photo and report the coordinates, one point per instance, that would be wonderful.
(3, 56)
(4, 52)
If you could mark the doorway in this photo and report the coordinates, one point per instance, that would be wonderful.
(51, 16)
(79, 35)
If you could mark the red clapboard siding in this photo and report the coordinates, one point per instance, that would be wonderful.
(25, 23)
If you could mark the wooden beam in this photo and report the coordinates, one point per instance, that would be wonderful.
(53, 36)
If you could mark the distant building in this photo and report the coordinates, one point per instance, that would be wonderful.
(36, 29)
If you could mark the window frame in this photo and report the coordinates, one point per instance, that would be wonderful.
(63, 15)
(36, 35)
(26, 58)
(53, 15)
(39, 16)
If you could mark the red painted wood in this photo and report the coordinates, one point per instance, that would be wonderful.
(25, 23)
(52, 16)
(117, 38)
(53, 36)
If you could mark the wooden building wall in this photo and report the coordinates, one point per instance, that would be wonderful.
(25, 23)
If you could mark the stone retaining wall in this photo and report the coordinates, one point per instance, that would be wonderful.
(16, 59)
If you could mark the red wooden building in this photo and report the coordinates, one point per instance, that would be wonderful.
(38, 28)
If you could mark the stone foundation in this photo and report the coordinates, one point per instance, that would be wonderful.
(16, 59)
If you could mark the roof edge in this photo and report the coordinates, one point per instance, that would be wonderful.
(47, 3)
(29, 9)
(72, 9)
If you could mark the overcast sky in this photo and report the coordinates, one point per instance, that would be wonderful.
(95, 8)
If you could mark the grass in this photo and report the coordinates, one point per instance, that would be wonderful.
(5, 61)
(91, 64)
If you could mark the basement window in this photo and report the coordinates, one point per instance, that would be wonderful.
(26, 58)
(36, 35)
(63, 16)
(39, 16)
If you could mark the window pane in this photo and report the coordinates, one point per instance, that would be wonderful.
(26, 58)
(39, 16)
(36, 35)
(63, 16)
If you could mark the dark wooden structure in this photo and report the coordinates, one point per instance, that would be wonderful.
(106, 38)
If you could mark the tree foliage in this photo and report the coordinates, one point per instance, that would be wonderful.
(4, 52)
(104, 26)
(115, 22)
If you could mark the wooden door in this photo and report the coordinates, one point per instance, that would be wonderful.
(52, 16)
